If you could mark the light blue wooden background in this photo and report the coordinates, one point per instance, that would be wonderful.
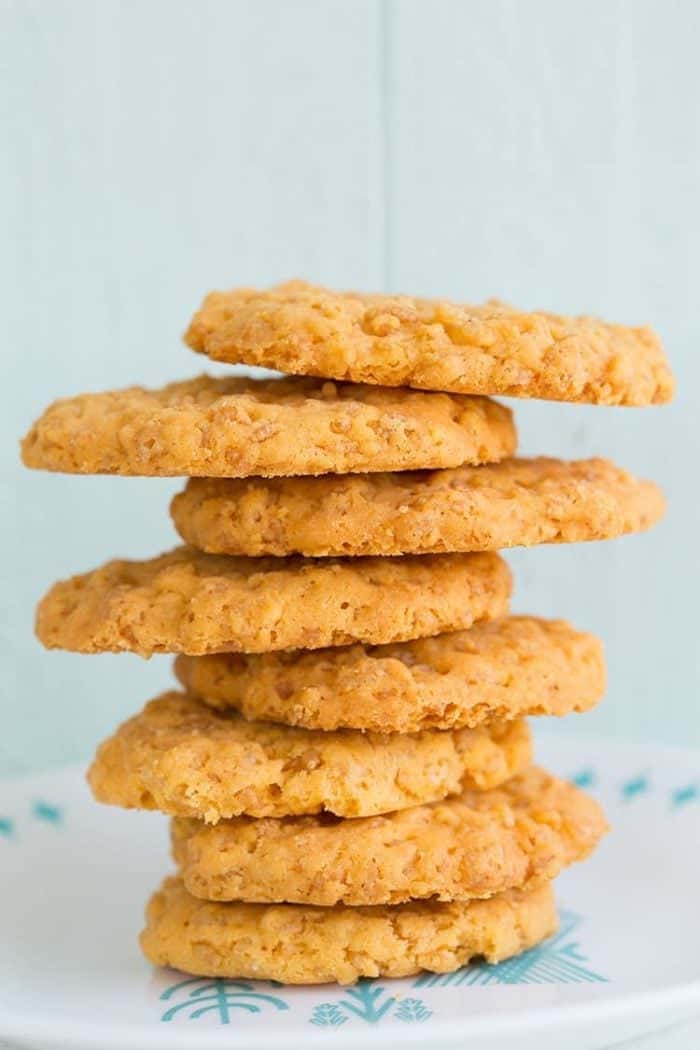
(545, 152)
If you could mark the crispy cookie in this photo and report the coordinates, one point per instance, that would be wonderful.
(396, 340)
(188, 602)
(473, 845)
(519, 502)
(514, 666)
(301, 944)
(237, 427)
(182, 757)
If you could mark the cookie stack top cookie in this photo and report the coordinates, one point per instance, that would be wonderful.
(433, 344)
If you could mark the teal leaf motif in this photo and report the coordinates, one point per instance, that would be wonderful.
(369, 1002)
(45, 811)
(681, 796)
(637, 786)
(558, 960)
(7, 827)
(218, 996)
(364, 1001)
(585, 778)
(412, 1010)
(328, 1014)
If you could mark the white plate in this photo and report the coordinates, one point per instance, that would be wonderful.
(74, 877)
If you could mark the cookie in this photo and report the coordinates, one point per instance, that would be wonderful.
(396, 340)
(187, 760)
(519, 502)
(472, 845)
(188, 602)
(514, 666)
(301, 944)
(238, 427)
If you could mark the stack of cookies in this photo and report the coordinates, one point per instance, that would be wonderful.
(348, 765)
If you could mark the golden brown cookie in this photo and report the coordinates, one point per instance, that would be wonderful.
(238, 427)
(514, 666)
(301, 944)
(519, 502)
(188, 602)
(182, 757)
(472, 845)
(433, 344)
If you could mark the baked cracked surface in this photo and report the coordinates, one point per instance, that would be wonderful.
(519, 502)
(433, 344)
(510, 667)
(188, 602)
(237, 427)
(187, 760)
(470, 846)
(301, 944)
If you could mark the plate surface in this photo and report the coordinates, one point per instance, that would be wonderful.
(74, 878)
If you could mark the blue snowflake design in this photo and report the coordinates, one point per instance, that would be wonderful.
(558, 960)
(369, 1002)
(220, 997)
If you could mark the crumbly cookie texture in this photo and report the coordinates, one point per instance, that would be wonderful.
(187, 760)
(302, 944)
(397, 340)
(513, 666)
(188, 602)
(474, 845)
(237, 427)
(519, 502)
